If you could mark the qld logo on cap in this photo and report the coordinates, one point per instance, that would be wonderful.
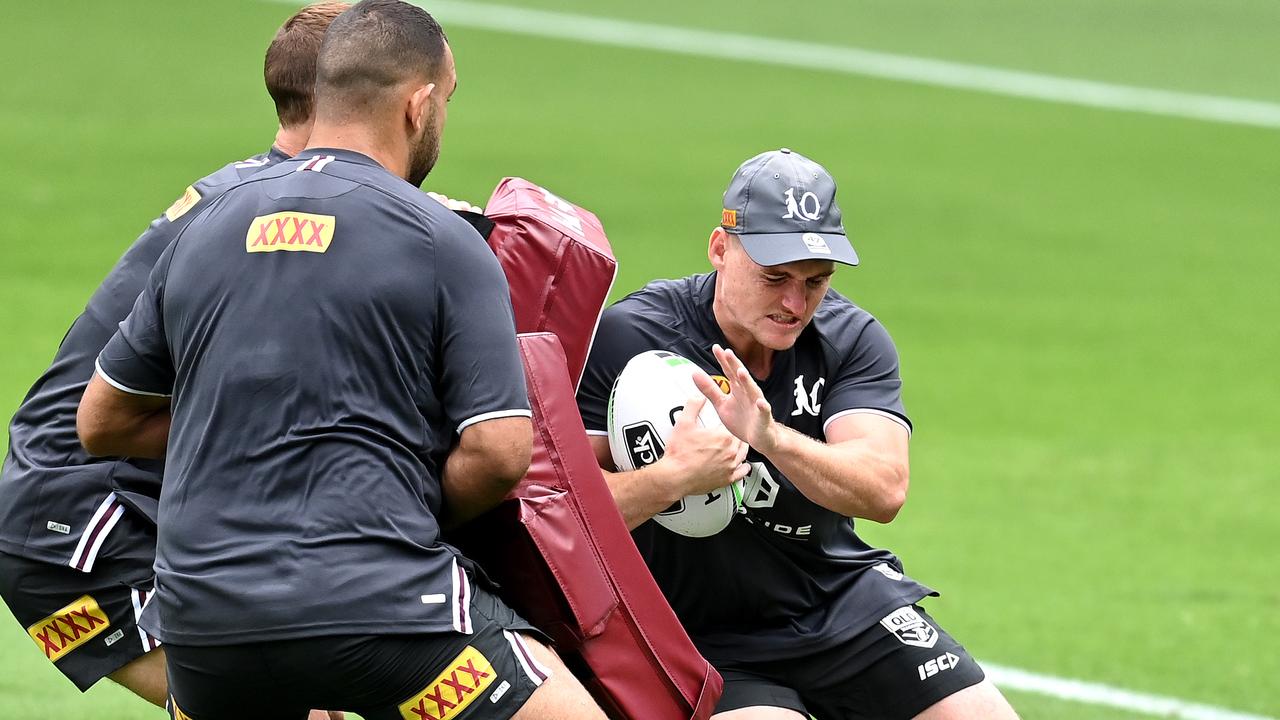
(816, 244)
(808, 207)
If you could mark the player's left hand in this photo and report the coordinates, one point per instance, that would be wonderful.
(744, 411)
(326, 715)
(453, 204)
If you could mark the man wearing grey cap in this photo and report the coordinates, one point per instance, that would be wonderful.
(797, 612)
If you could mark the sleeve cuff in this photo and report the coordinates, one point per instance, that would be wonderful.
(866, 411)
(121, 386)
(492, 416)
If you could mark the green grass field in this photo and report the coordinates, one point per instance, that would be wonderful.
(1085, 301)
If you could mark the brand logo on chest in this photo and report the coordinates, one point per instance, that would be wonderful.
(807, 400)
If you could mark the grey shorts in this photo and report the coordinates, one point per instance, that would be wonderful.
(487, 675)
(899, 673)
(86, 623)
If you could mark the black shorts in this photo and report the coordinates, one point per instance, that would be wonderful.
(883, 673)
(487, 675)
(85, 623)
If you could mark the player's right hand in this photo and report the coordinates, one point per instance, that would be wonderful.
(702, 459)
(455, 204)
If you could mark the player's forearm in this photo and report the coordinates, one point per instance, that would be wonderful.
(849, 478)
(112, 423)
(641, 494)
(143, 436)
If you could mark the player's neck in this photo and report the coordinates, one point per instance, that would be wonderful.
(365, 140)
(291, 139)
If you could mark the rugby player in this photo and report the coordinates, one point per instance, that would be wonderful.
(330, 358)
(797, 613)
(77, 534)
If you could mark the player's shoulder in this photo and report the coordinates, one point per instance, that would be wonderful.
(664, 314)
(840, 322)
(205, 189)
(377, 190)
(667, 300)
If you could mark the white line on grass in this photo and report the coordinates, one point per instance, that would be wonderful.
(1097, 694)
(852, 61)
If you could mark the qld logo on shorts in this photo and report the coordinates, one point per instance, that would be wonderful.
(69, 628)
(452, 690)
(290, 231)
(907, 625)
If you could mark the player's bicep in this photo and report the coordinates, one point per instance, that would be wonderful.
(883, 433)
(866, 382)
(482, 377)
(617, 340)
(136, 360)
(111, 421)
(604, 456)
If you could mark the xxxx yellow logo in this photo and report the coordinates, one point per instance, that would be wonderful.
(722, 382)
(453, 690)
(180, 206)
(69, 628)
(292, 231)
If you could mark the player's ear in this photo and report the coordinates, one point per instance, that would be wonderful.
(418, 107)
(717, 246)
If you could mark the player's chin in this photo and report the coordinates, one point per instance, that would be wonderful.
(779, 336)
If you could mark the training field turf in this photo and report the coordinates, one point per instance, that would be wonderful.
(1085, 300)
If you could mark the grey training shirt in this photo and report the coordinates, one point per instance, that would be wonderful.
(326, 331)
(57, 503)
(799, 577)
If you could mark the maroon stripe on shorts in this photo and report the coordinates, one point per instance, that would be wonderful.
(94, 533)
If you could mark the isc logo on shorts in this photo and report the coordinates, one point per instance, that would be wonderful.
(69, 628)
(291, 231)
(945, 661)
(907, 625)
(452, 690)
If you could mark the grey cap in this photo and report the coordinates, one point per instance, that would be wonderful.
(783, 207)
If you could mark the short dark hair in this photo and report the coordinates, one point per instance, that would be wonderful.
(372, 47)
(290, 66)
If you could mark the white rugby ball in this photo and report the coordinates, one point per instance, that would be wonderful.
(647, 398)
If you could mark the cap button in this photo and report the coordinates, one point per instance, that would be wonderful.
(786, 150)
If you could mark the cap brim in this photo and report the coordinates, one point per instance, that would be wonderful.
(781, 248)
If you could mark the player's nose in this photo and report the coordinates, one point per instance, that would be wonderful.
(793, 299)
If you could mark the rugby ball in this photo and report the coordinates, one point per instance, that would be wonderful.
(647, 397)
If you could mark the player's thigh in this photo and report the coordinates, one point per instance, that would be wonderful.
(146, 677)
(497, 672)
(84, 623)
(759, 713)
(976, 701)
(560, 695)
(757, 696)
(895, 670)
